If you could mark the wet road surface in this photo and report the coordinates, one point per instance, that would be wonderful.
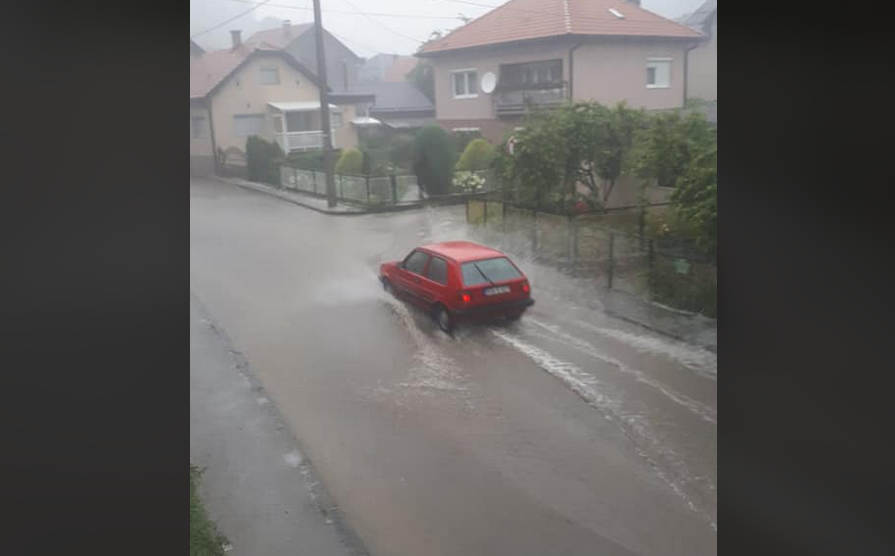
(568, 432)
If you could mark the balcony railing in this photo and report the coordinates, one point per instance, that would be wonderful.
(521, 101)
(300, 140)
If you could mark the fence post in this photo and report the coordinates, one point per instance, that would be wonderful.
(314, 179)
(573, 240)
(611, 268)
(467, 211)
(485, 217)
(651, 258)
(341, 186)
(367, 186)
(295, 178)
(394, 182)
(503, 216)
(534, 235)
(642, 224)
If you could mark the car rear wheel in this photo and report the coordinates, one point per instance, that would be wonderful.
(386, 285)
(514, 316)
(443, 318)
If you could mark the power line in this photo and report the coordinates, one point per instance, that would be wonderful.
(384, 26)
(379, 14)
(221, 24)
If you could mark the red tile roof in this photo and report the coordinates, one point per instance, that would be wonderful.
(519, 20)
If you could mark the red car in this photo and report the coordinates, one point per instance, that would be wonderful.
(459, 279)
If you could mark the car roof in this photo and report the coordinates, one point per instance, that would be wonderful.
(462, 251)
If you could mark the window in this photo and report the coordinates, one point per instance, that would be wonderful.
(270, 76)
(465, 83)
(531, 75)
(248, 124)
(197, 127)
(336, 119)
(416, 262)
(438, 271)
(302, 121)
(658, 73)
(487, 271)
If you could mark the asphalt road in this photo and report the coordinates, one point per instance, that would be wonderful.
(569, 432)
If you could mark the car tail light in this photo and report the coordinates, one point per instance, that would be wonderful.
(465, 297)
(525, 287)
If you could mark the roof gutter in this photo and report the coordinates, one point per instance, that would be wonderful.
(687, 69)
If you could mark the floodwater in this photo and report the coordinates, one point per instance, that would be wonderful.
(568, 432)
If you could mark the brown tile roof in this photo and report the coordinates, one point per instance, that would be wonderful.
(213, 68)
(519, 20)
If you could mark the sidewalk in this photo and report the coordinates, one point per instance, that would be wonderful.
(257, 486)
(304, 200)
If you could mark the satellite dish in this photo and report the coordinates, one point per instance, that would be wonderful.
(489, 81)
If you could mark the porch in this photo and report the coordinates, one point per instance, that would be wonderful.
(297, 125)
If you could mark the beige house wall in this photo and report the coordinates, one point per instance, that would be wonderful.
(605, 70)
(244, 94)
(449, 108)
(703, 68)
(611, 71)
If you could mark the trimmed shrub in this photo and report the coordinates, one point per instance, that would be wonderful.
(433, 160)
(312, 160)
(476, 156)
(263, 160)
(351, 162)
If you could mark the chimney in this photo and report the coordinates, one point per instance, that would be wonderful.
(287, 27)
(234, 36)
(635, 2)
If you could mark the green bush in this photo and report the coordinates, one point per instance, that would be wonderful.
(476, 156)
(433, 160)
(312, 160)
(401, 151)
(351, 162)
(263, 160)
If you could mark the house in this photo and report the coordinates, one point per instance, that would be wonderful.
(529, 54)
(391, 68)
(398, 105)
(258, 89)
(195, 49)
(300, 41)
(702, 66)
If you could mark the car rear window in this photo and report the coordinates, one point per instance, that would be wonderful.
(489, 270)
(437, 270)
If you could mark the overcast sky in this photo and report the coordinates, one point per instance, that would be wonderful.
(396, 26)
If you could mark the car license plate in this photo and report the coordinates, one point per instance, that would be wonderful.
(498, 290)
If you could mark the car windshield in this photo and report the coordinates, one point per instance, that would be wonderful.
(487, 271)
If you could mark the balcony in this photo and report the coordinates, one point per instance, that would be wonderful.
(300, 140)
(518, 102)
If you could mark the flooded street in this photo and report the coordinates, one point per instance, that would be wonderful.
(567, 432)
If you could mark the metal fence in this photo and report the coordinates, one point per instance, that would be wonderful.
(384, 191)
(608, 247)
(354, 189)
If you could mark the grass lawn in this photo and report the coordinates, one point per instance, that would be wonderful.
(205, 540)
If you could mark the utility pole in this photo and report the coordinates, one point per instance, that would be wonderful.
(324, 108)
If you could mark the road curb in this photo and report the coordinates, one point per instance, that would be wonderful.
(265, 190)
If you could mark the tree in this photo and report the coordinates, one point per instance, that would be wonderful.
(696, 197)
(584, 143)
(422, 76)
(263, 160)
(433, 160)
(666, 148)
(351, 162)
(476, 156)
